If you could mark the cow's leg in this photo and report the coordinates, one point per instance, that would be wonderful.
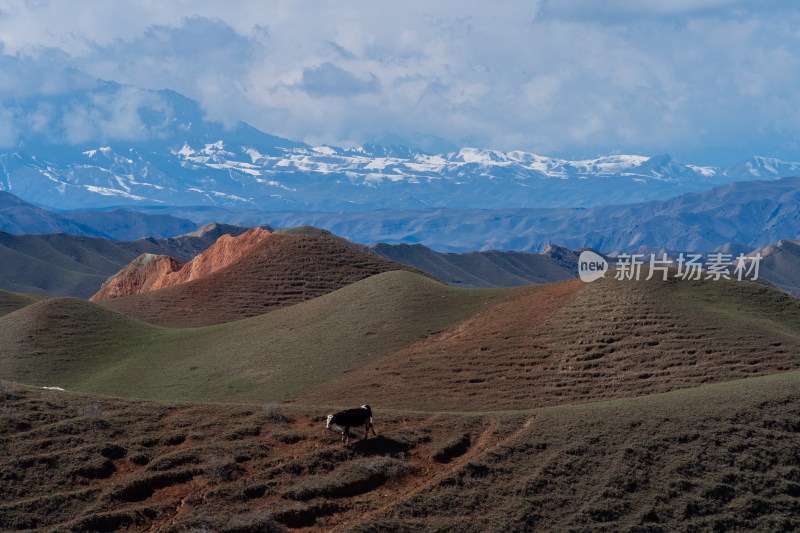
(367, 427)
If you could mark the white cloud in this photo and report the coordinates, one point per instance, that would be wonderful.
(330, 80)
(8, 131)
(613, 10)
(714, 77)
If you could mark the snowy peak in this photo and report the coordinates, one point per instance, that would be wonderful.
(173, 155)
(765, 167)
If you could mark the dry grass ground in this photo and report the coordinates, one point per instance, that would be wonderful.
(608, 406)
(716, 458)
(82, 463)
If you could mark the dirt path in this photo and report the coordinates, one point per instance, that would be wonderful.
(434, 472)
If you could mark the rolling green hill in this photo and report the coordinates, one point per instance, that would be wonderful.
(405, 340)
(12, 301)
(82, 346)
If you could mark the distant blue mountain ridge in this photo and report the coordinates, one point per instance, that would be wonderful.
(747, 214)
(115, 146)
(752, 213)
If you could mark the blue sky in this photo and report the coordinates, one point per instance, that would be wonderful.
(708, 81)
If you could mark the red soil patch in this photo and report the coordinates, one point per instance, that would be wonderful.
(226, 251)
(138, 276)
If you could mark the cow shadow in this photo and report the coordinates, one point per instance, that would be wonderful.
(379, 445)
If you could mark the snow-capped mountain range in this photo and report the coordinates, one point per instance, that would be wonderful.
(182, 159)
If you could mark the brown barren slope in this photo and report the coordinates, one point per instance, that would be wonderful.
(280, 270)
(84, 463)
(716, 458)
(571, 342)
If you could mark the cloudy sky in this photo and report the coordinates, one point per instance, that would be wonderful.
(708, 81)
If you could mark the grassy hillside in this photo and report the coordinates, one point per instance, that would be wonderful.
(716, 458)
(66, 340)
(610, 406)
(79, 345)
(404, 340)
(58, 264)
(570, 342)
(12, 301)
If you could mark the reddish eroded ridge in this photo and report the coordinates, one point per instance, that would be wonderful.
(226, 251)
(150, 272)
(138, 276)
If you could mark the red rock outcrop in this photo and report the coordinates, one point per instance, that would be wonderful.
(226, 251)
(138, 276)
(150, 272)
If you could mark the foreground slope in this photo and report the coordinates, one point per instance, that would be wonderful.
(716, 458)
(83, 346)
(278, 271)
(571, 341)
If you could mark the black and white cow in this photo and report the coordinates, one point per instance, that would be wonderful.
(360, 416)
